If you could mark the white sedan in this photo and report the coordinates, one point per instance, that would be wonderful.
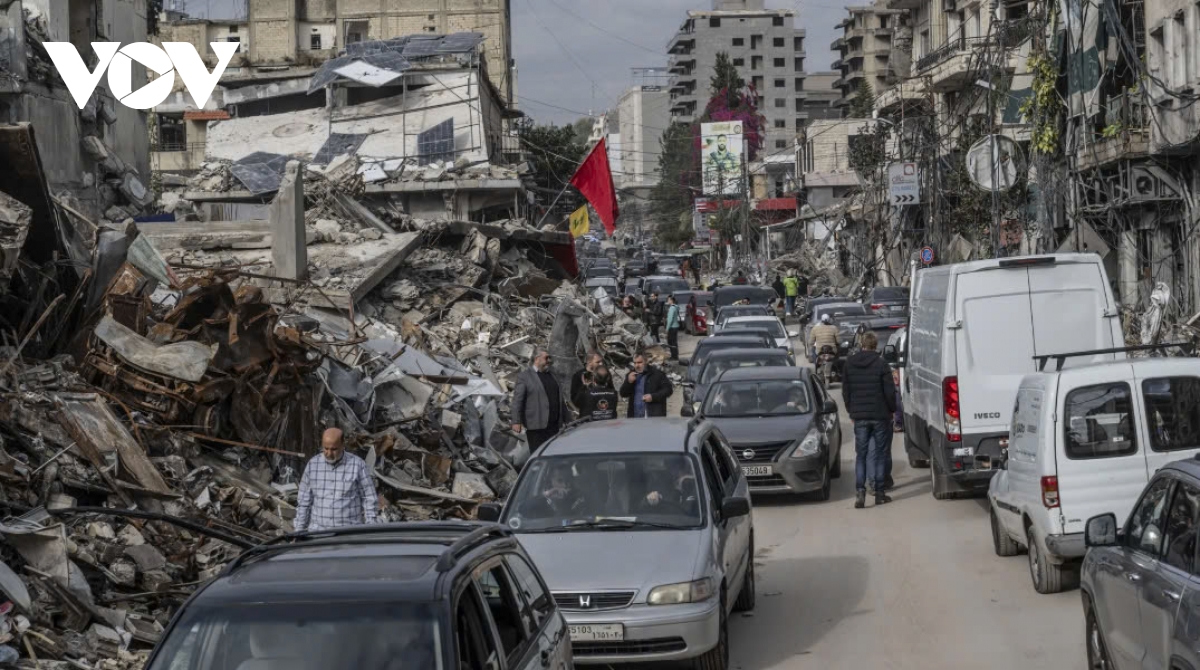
(770, 324)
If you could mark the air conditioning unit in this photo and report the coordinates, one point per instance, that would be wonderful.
(1150, 183)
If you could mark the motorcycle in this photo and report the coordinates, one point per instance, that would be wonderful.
(825, 364)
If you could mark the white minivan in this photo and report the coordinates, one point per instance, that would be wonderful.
(973, 333)
(1085, 441)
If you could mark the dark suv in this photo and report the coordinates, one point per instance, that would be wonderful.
(426, 595)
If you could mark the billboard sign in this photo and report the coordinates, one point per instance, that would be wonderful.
(721, 152)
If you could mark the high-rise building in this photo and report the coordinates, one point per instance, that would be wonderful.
(874, 47)
(766, 48)
(644, 114)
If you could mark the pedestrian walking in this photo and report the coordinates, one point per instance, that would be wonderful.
(791, 291)
(598, 399)
(336, 490)
(696, 272)
(647, 389)
(538, 406)
(673, 324)
(870, 399)
(654, 316)
(577, 384)
(778, 286)
(685, 269)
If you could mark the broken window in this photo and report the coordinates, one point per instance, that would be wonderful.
(233, 38)
(314, 42)
(437, 143)
(171, 134)
(883, 20)
(356, 31)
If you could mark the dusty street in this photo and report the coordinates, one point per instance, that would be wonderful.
(912, 585)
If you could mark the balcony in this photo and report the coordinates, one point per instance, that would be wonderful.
(682, 85)
(837, 44)
(906, 92)
(1126, 134)
(682, 43)
(683, 65)
(947, 66)
(837, 64)
(1011, 34)
(905, 4)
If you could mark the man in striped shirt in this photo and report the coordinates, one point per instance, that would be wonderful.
(337, 489)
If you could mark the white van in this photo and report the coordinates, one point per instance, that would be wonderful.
(973, 333)
(1085, 441)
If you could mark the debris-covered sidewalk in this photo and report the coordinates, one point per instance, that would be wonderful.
(159, 395)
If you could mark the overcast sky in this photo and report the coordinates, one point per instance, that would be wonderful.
(577, 55)
(565, 49)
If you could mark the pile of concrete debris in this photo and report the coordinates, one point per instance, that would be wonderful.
(156, 415)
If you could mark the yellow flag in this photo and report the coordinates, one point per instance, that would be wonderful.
(580, 224)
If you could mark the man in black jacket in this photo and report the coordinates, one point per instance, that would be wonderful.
(647, 389)
(870, 397)
(655, 311)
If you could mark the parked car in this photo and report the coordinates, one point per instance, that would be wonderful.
(1139, 579)
(887, 300)
(710, 344)
(731, 311)
(1109, 442)
(609, 284)
(767, 336)
(635, 267)
(725, 296)
(665, 286)
(806, 316)
(727, 359)
(771, 324)
(593, 272)
(975, 329)
(783, 427)
(436, 594)
(667, 266)
(644, 532)
(836, 311)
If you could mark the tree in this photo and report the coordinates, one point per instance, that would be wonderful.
(672, 198)
(583, 129)
(555, 152)
(862, 105)
(725, 80)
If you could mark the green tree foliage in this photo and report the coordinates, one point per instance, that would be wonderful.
(555, 151)
(583, 129)
(862, 105)
(725, 80)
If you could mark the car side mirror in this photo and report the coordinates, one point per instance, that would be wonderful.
(735, 507)
(829, 407)
(1101, 531)
(890, 355)
(488, 512)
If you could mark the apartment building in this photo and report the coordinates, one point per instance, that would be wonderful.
(823, 98)
(643, 113)
(767, 49)
(875, 47)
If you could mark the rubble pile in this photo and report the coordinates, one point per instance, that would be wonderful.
(821, 270)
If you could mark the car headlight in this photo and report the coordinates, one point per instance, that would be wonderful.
(686, 592)
(809, 446)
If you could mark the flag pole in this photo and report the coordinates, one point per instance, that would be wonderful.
(551, 207)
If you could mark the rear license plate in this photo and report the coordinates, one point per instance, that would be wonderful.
(756, 470)
(962, 452)
(896, 308)
(601, 632)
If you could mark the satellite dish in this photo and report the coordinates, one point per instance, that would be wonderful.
(994, 162)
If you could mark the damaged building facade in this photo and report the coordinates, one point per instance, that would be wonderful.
(94, 158)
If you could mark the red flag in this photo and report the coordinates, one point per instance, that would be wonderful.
(595, 182)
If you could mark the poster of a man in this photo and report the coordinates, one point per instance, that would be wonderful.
(722, 155)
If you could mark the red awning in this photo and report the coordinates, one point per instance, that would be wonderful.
(776, 204)
(206, 115)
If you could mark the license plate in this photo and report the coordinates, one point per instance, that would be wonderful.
(756, 470)
(601, 632)
(896, 308)
(964, 451)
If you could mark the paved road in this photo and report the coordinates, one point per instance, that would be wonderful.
(911, 585)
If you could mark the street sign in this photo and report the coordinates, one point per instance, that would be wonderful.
(904, 184)
(927, 255)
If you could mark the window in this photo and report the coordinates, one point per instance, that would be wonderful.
(714, 23)
(1173, 412)
(780, 144)
(780, 102)
(780, 62)
(780, 83)
(799, 84)
(539, 604)
(725, 467)
(777, 20)
(756, 62)
(1179, 546)
(171, 134)
(233, 28)
(780, 123)
(715, 493)
(799, 105)
(757, 83)
(739, 41)
(799, 125)
(799, 65)
(1099, 422)
(798, 44)
(756, 41)
(356, 31)
(501, 599)
(314, 42)
(233, 38)
(473, 635)
(739, 62)
(883, 20)
(779, 42)
(1145, 524)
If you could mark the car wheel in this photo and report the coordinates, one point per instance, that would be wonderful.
(745, 600)
(1097, 651)
(1002, 543)
(1047, 577)
(716, 658)
(822, 494)
(910, 448)
(941, 489)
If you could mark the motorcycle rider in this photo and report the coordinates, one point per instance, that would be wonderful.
(822, 334)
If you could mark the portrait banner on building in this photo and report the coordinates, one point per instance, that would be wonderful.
(721, 150)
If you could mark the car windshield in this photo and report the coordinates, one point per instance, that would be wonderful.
(754, 296)
(890, 293)
(772, 326)
(606, 491)
(714, 367)
(747, 310)
(355, 636)
(758, 398)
